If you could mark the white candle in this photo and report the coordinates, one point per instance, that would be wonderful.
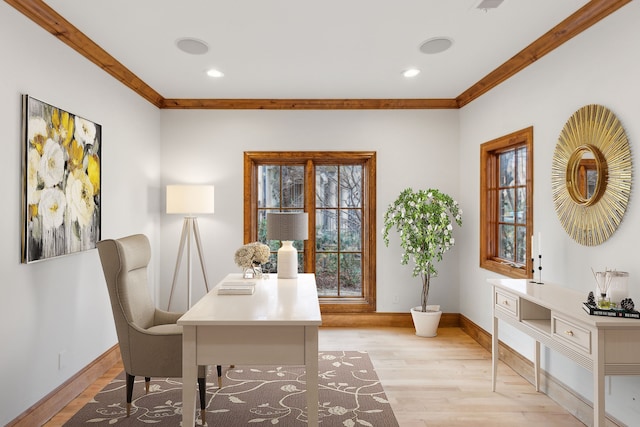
(539, 244)
(533, 249)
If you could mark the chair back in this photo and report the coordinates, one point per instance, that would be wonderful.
(124, 263)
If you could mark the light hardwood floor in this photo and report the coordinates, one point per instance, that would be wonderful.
(441, 381)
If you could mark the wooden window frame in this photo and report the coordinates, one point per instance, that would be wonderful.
(489, 152)
(252, 159)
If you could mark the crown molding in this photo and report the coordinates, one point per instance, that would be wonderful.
(47, 18)
(309, 104)
(583, 18)
(43, 15)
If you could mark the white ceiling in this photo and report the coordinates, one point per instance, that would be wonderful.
(312, 49)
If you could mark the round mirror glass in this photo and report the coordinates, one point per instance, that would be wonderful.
(586, 175)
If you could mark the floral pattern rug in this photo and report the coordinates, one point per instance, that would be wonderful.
(350, 395)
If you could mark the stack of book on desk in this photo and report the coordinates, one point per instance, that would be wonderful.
(597, 311)
(236, 288)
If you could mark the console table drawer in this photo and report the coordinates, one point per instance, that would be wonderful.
(506, 302)
(575, 335)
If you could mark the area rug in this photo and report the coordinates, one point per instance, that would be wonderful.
(350, 394)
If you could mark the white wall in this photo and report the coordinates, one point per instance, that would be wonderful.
(61, 305)
(600, 66)
(414, 148)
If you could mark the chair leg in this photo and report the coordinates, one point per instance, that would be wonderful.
(202, 389)
(219, 368)
(130, 379)
(147, 382)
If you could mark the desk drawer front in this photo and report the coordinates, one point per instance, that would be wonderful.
(506, 302)
(575, 335)
(247, 345)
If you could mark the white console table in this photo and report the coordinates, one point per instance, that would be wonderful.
(553, 315)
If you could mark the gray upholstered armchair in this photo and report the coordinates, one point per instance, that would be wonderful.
(150, 340)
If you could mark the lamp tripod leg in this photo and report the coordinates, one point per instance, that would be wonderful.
(196, 233)
(189, 260)
(183, 238)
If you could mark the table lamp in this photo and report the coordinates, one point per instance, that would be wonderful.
(189, 200)
(287, 227)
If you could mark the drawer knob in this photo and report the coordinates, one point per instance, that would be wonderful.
(505, 302)
(570, 333)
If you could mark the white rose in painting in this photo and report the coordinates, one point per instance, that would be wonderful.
(52, 163)
(85, 132)
(37, 130)
(79, 192)
(51, 207)
(33, 166)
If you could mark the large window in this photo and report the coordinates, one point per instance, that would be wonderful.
(506, 204)
(337, 189)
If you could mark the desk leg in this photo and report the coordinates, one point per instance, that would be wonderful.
(189, 374)
(311, 366)
(536, 366)
(494, 353)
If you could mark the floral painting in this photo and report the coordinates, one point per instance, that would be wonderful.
(61, 182)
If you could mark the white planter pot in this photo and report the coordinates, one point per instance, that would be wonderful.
(426, 322)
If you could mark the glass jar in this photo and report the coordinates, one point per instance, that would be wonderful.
(604, 302)
(618, 286)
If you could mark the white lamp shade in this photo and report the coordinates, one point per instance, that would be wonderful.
(190, 199)
(287, 226)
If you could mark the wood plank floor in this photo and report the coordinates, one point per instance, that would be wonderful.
(434, 382)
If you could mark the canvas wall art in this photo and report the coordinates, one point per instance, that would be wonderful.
(61, 195)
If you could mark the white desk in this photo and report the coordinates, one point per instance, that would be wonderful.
(278, 324)
(553, 316)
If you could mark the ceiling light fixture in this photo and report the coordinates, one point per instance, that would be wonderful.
(214, 73)
(192, 46)
(411, 72)
(436, 45)
(488, 4)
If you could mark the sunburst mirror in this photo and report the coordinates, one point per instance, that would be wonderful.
(591, 175)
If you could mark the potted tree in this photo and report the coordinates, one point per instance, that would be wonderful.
(424, 220)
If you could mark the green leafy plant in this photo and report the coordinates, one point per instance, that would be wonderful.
(424, 220)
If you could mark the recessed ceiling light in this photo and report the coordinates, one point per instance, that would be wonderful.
(436, 45)
(411, 72)
(192, 46)
(214, 73)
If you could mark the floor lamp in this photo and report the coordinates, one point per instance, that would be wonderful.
(287, 227)
(189, 200)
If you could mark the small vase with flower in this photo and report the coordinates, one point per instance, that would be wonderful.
(250, 258)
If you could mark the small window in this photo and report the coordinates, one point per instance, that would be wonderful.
(506, 204)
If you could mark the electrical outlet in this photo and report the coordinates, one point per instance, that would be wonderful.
(62, 360)
(396, 299)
